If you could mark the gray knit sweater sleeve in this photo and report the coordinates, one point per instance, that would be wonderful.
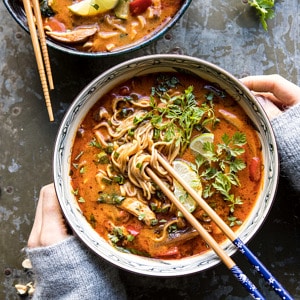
(68, 270)
(287, 132)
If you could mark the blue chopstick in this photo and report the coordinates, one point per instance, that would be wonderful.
(262, 270)
(270, 279)
(242, 278)
(248, 285)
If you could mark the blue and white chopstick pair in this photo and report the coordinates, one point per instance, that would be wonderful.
(242, 278)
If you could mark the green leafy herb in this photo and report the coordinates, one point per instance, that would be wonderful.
(174, 117)
(102, 158)
(264, 9)
(110, 198)
(119, 179)
(154, 222)
(96, 6)
(81, 200)
(172, 228)
(139, 166)
(82, 170)
(109, 149)
(93, 221)
(220, 172)
(120, 235)
(141, 216)
(95, 143)
(75, 192)
(46, 10)
(234, 221)
(130, 237)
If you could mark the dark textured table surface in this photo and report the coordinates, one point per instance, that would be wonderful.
(226, 33)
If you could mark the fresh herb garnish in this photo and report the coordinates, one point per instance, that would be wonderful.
(93, 221)
(119, 235)
(264, 9)
(234, 221)
(82, 170)
(220, 171)
(174, 117)
(110, 198)
(95, 143)
(81, 200)
(46, 10)
(102, 158)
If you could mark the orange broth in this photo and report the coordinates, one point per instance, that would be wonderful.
(112, 33)
(143, 238)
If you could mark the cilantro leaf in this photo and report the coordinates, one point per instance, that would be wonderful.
(220, 172)
(264, 9)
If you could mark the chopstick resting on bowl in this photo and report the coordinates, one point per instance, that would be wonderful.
(270, 279)
(251, 288)
(38, 43)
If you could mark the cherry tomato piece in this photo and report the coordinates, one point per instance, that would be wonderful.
(137, 7)
(255, 169)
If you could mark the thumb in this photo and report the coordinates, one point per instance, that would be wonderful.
(53, 228)
(269, 107)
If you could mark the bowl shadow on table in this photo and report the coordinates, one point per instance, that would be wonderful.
(280, 254)
(72, 73)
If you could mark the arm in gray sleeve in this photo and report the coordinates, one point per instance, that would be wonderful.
(68, 270)
(287, 132)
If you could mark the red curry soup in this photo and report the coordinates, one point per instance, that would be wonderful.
(92, 26)
(199, 129)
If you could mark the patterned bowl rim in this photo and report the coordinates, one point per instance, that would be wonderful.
(101, 85)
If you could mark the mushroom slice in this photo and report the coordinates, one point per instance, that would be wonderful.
(79, 34)
(180, 235)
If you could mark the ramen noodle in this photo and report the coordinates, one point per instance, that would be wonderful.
(199, 129)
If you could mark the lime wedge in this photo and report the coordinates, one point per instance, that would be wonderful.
(197, 143)
(192, 179)
(87, 8)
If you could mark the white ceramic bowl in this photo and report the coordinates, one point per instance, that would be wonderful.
(100, 86)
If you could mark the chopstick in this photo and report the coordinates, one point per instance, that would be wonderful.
(241, 277)
(269, 278)
(39, 22)
(37, 51)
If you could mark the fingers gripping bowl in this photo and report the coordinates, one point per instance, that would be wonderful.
(120, 232)
(102, 28)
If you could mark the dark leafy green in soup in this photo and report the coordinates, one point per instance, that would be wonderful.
(105, 25)
(199, 129)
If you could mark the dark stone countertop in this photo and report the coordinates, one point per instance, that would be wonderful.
(227, 33)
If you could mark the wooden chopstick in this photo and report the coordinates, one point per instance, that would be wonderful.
(242, 278)
(42, 38)
(269, 278)
(38, 56)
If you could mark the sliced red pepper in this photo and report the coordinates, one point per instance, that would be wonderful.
(255, 169)
(132, 230)
(54, 24)
(137, 7)
(170, 253)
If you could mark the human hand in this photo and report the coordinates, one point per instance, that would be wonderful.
(274, 92)
(49, 225)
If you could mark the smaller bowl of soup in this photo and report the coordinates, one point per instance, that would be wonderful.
(204, 122)
(102, 27)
